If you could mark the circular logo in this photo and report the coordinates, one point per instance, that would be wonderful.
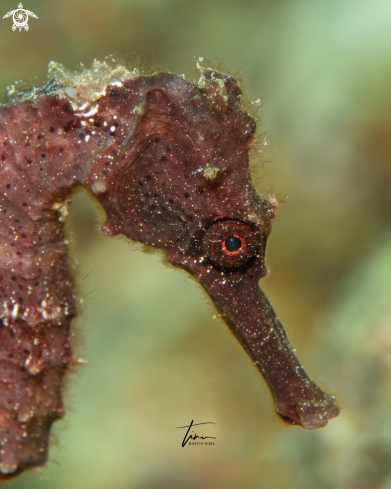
(20, 19)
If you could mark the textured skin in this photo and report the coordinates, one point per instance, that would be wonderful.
(168, 161)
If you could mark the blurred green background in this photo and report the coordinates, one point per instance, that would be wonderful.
(157, 357)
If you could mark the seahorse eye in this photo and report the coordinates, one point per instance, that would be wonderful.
(230, 243)
(233, 244)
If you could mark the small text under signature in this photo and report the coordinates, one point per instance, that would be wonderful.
(188, 436)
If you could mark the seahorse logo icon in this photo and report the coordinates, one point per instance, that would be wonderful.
(20, 17)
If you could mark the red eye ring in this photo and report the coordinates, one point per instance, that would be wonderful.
(230, 243)
(235, 252)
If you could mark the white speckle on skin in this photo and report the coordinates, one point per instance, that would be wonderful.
(15, 311)
(210, 172)
(99, 187)
(92, 111)
(62, 208)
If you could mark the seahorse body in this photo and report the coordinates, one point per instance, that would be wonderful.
(168, 160)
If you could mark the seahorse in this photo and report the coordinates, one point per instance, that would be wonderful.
(168, 160)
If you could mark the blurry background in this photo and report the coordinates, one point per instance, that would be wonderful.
(157, 357)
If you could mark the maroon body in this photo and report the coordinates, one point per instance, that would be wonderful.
(168, 160)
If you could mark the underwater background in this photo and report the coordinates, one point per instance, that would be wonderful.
(157, 355)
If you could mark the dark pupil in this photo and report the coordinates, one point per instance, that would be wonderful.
(232, 243)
